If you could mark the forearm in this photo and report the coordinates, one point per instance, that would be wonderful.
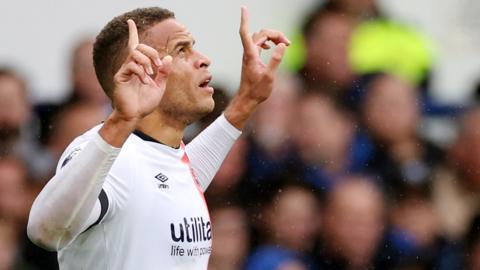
(115, 131)
(208, 150)
(240, 110)
(63, 208)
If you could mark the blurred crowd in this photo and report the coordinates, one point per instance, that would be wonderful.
(341, 168)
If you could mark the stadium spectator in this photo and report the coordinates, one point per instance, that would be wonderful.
(230, 238)
(472, 245)
(16, 197)
(8, 245)
(270, 145)
(68, 124)
(17, 126)
(391, 115)
(456, 192)
(413, 214)
(14, 109)
(383, 44)
(85, 88)
(354, 222)
(415, 236)
(272, 122)
(290, 224)
(327, 66)
(328, 144)
(71, 121)
(341, 39)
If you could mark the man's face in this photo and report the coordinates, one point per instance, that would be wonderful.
(327, 50)
(391, 110)
(323, 131)
(292, 219)
(354, 222)
(188, 96)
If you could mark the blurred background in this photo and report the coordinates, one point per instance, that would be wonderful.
(367, 155)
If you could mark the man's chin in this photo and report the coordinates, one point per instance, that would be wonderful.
(211, 105)
(202, 110)
(207, 108)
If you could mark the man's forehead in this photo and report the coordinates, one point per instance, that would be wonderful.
(167, 31)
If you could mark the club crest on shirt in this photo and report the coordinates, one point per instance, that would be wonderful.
(162, 178)
(70, 156)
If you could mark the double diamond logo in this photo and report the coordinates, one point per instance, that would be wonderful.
(162, 178)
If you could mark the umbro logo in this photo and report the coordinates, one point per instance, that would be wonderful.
(162, 178)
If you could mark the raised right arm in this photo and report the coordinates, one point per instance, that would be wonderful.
(68, 204)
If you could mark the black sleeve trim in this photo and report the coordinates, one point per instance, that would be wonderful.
(103, 208)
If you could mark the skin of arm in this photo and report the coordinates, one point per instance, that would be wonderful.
(257, 78)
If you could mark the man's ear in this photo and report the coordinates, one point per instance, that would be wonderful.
(163, 71)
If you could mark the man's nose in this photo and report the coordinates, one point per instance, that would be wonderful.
(202, 61)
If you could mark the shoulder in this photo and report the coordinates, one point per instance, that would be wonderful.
(85, 137)
(77, 145)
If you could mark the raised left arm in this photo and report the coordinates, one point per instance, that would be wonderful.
(208, 150)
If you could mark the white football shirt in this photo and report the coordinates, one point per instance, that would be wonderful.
(154, 215)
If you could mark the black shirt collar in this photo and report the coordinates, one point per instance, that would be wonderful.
(147, 138)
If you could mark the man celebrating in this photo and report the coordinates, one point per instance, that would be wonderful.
(127, 194)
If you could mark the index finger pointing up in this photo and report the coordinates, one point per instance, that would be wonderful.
(244, 21)
(244, 35)
(132, 34)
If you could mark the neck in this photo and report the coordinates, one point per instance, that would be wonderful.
(163, 128)
(406, 149)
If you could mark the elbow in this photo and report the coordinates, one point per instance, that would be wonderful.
(39, 234)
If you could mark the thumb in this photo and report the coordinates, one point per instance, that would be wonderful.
(276, 58)
(164, 69)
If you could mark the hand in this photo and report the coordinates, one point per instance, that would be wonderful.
(257, 78)
(140, 82)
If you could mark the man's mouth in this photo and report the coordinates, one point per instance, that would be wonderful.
(206, 82)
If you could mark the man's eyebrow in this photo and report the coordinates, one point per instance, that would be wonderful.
(184, 43)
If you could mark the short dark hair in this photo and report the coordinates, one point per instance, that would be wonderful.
(313, 17)
(109, 50)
